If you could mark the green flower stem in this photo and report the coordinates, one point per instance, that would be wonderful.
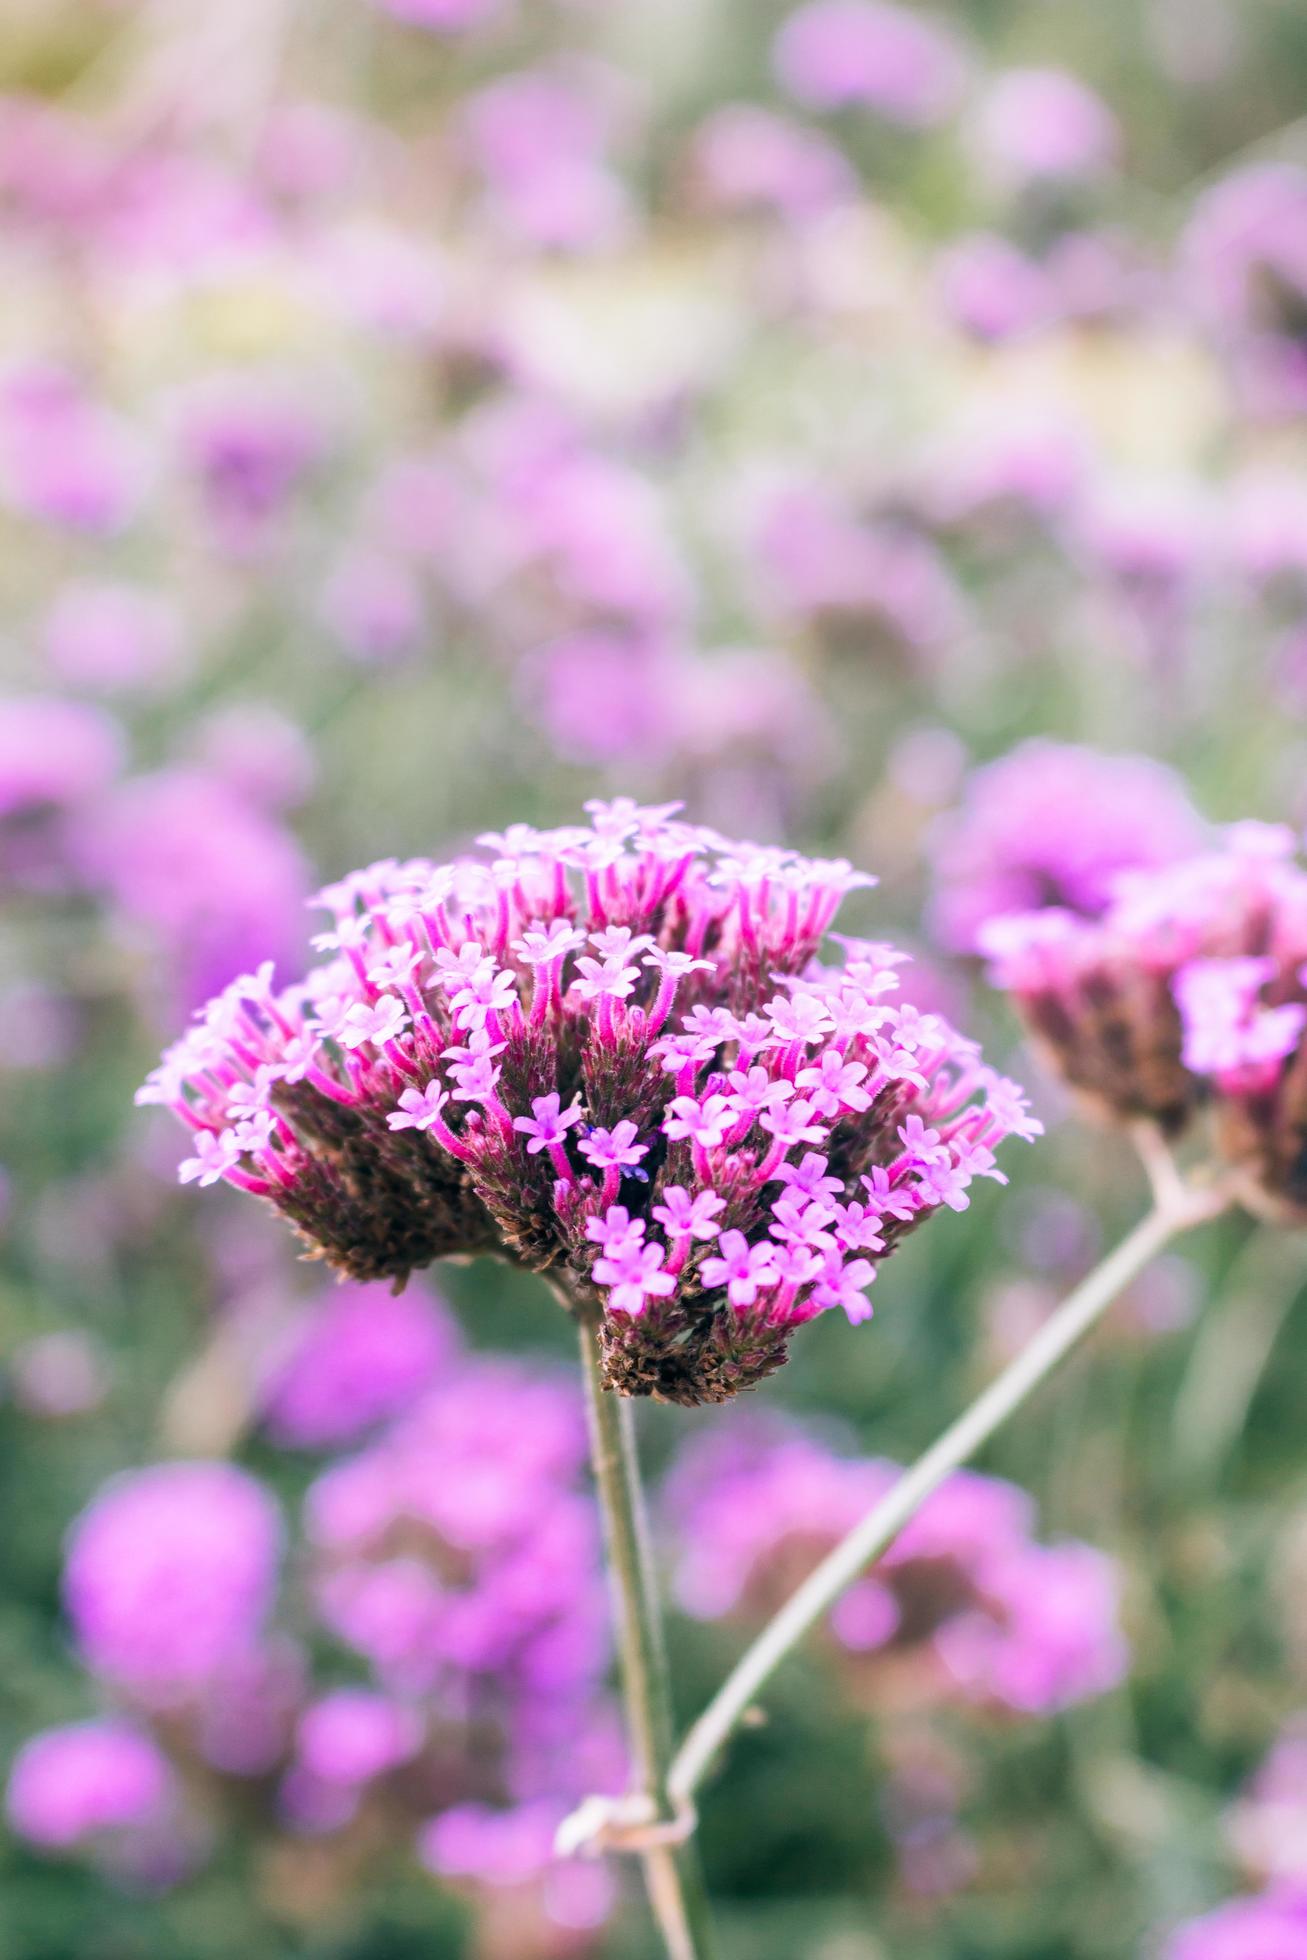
(671, 1867)
(1174, 1211)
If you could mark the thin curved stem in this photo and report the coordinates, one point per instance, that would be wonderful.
(672, 1873)
(1183, 1207)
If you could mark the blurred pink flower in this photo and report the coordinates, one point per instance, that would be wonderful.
(539, 142)
(262, 756)
(66, 459)
(1272, 1927)
(989, 1615)
(106, 636)
(170, 1574)
(442, 16)
(834, 54)
(1044, 123)
(990, 288)
(373, 606)
(365, 1355)
(745, 157)
(1053, 824)
(1244, 258)
(352, 1735)
(206, 879)
(53, 754)
(71, 1784)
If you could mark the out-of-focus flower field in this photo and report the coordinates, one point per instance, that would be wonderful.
(883, 430)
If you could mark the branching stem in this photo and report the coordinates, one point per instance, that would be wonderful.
(1176, 1208)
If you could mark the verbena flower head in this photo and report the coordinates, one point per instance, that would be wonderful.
(1052, 823)
(1246, 262)
(1038, 124)
(170, 1574)
(459, 1550)
(611, 1054)
(352, 1735)
(1272, 1927)
(833, 54)
(85, 1781)
(366, 1354)
(1268, 1823)
(965, 1606)
(1190, 989)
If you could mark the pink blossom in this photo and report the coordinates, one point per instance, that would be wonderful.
(743, 1269)
(85, 1780)
(683, 1216)
(503, 1036)
(833, 53)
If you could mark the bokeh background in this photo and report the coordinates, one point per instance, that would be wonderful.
(418, 416)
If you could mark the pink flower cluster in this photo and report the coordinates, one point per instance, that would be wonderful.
(1052, 824)
(364, 1354)
(1268, 1822)
(608, 1052)
(1270, 1927)
(85, 1781)
(458, 1556)
(1189, 988)
(1268, 1831)
(965, 1604)
(460, 1548)
(170, 1576)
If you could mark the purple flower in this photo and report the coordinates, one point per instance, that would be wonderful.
(683, 1215)
(210, 881)
(364, 1355)
(744, 156)
(1052, 824)
(743, 1269)
(441, 16)
(1041, 123)
(992, 1617)
(547, 1123)
(617, 1148)
(459, 1033)
(1268, 1824)
(354, 1734)
(419, 1109)
(1189, 988)
(1245, 263)
(991, 289)
(458, 1551)
(539, 142)
(65, 459)
(831, 54)
(83, 1781)
(373, 606)
(110, 636)
(170, 1574)
(632, 1272)
(53, 754)
(1271, 1927)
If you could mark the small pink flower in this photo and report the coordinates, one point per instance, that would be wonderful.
(743, 1269)
(378, 1024)
(419, 1108)
(215, 1155)
(617, 1148)
(548, 1122)
(631, 1272)
(706, 1123)
(682, 1216)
